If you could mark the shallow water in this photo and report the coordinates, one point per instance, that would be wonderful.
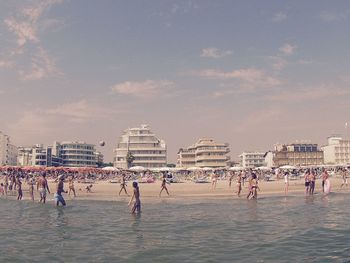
(273, 229)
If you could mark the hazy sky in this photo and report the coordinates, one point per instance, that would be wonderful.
(250, 73)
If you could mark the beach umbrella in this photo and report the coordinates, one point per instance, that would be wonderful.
(236, 168)
(264, 168)
(164, 169)
(288, 167)
(137, 168)
(208, 169)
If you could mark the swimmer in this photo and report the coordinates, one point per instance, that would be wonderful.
(59, 190)
(163, 187)
(136, 195)
(123, 185)
(42, 186)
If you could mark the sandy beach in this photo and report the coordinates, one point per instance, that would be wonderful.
(104, 190)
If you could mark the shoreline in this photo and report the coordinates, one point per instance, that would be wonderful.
(105, 191)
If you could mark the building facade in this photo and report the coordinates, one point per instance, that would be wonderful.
(204, 153)
(8, 151)
(297, 155)
(337, 150)
(252, 159)
(67, 154)
(144, 146)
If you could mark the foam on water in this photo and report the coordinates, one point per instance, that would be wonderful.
(274, 229)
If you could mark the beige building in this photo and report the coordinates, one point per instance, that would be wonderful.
(8, 152)
(337, 151)
(204, 153)
(297, 155)
(146, 148)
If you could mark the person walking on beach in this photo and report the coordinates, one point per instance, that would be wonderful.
(307, 182)
(59, 190)
(232, 174)
(71, 186)
(6, 184)
(2, 190)
(136, 208)
(123, 185)
(343, 176)
(43, 187)
(239, 184)
(286, 183)
(163, 186)
(214, 179)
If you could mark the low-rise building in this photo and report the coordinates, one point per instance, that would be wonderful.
(252, 159)
(337, 150)
(8, 151)
(298, 154)
(206, 152)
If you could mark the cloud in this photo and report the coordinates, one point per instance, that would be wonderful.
(278, 63)
(6, 64)
(333, 17)
(26, 26)
(308, 93)
(288, 49)
(42, 66)
(279, 17)
(145, 89)
(249, 76)
(213, 52)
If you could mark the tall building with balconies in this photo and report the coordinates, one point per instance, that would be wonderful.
(8, 151)
(75, 154)
(204, 153)
(337, 151)
(252, 159)
(144, 146)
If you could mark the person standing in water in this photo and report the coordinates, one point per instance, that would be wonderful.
(163, 187)
(6, 183)
(42, 186)
(214, 179)
(286, 183)
(71, 186)
(324, 178)
(231, 175)
(136, 195)
(31, 183)
(123, 185)
(19, 189)
(59, 190)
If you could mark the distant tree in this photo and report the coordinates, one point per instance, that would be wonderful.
(129, 159)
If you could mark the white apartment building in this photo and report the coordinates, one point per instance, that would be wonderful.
(252, 159)
(8, 152)
(206, 152)
(337, 151)
(68, 154)
(75, 154)
(148, 151)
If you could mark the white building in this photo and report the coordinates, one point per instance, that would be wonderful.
(148, 151)
(68, 154)
(8, 152)
(252, 159)
(206, 152)
(75, 154)
(337, 151)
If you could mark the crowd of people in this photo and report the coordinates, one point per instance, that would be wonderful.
(36, 178)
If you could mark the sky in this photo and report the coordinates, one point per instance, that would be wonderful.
(250, 73)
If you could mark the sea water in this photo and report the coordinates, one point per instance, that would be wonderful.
(271, 229)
